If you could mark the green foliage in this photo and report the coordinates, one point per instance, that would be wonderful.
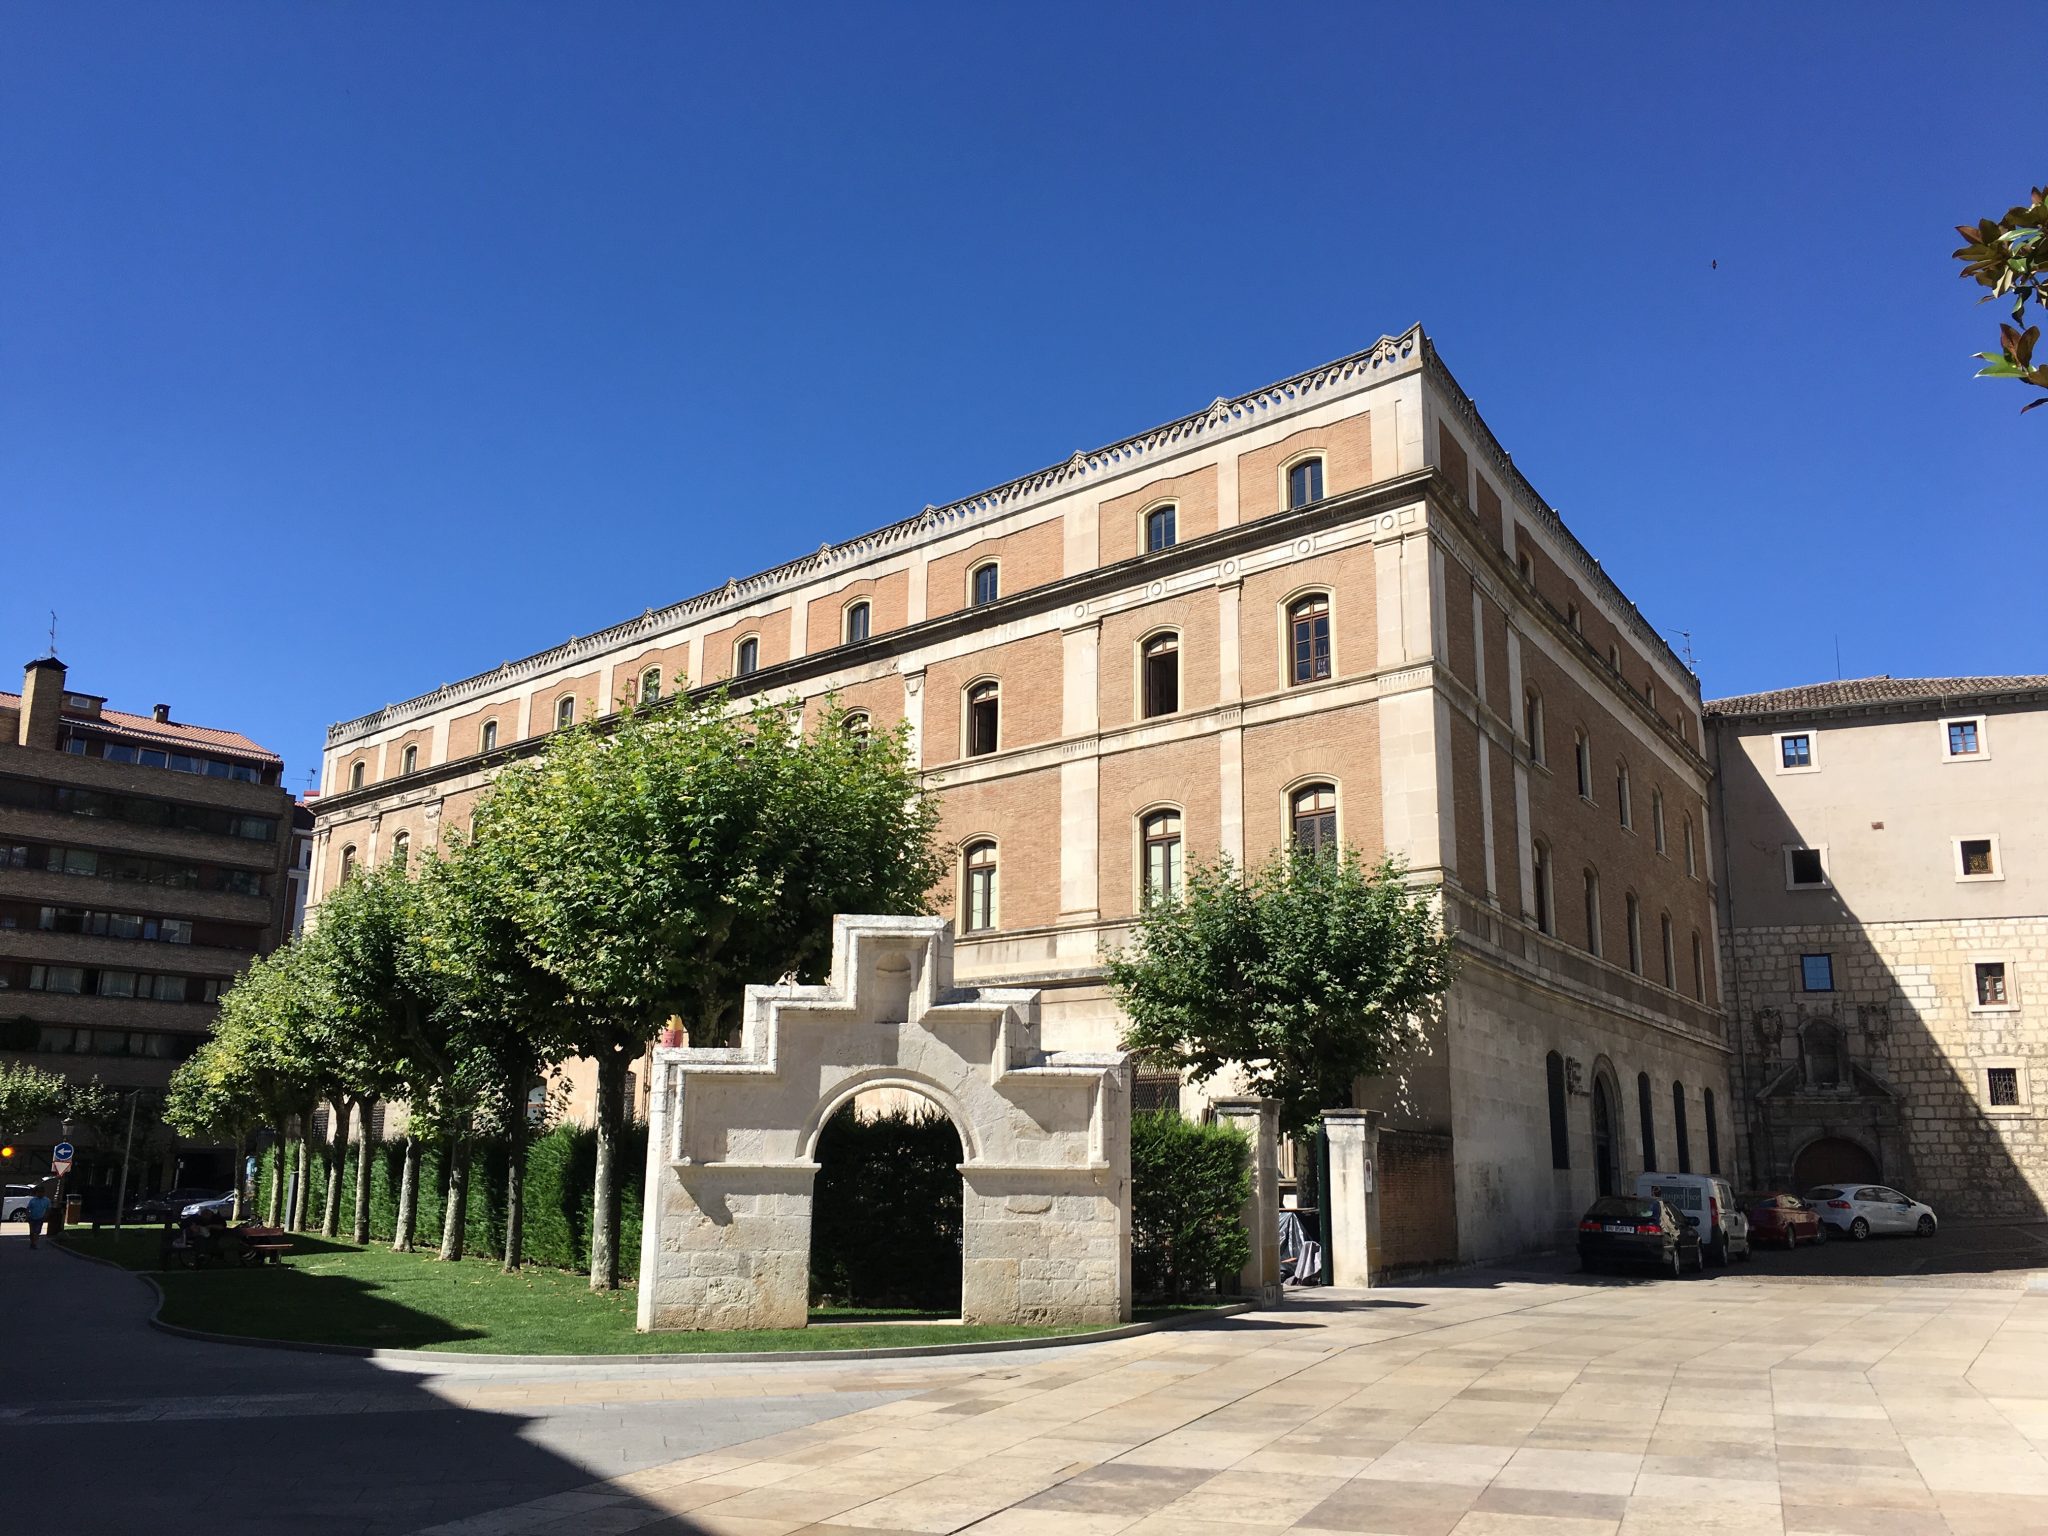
(2009, 256)
(1317, 971)
(560, 1175)
(29, 1095)
(1189, 1184)
(885, 1217)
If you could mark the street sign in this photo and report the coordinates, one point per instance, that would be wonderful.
(63, 1151)
(60, 1166)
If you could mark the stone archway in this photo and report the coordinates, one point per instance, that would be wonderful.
(733, 1135)
(1834, 1160)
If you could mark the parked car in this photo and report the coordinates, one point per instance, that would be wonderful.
(14, 1202)
(1633, 1229)
(1705, 1200)
(1784, 1219)
(167, 1206)
(1861, 1209)
(222, 1206)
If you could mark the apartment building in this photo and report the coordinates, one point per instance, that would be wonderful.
(142, 865)
(1885, 907)
(1327, 610)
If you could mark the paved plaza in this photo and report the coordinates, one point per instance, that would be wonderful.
(1759, 1399)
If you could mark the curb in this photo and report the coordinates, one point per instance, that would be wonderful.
(672, 1357)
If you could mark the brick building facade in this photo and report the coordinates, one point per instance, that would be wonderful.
(1330, 608)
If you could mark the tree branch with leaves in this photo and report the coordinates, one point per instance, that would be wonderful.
(2009, 256)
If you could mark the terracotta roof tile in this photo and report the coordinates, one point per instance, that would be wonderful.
(1883, 689)
(170, 733)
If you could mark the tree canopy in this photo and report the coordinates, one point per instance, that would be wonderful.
(2009, 256)
(1314, 972)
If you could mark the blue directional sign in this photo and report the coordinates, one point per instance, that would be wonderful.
(62, 1152)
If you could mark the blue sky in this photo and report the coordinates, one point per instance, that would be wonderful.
(349, 349)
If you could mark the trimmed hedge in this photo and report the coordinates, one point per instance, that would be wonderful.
(561, 1168)
(885, 1217)
(1189, 1184)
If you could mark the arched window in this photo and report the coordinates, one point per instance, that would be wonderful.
(1820, 1054)
(1305, 482)
(565, 711)
(489, 740)
(1691, 861)
(1582, 759)
(859, 616)
(984, 719)
(348, 861)
(978, 863)
(1560, 1123)
(1312, 818)
(1713, 1130)
(1646, 1107)
(1161, 675)
(1532, 724)
(1161, 837)
(746, 657)
(401, 845)
(1592, 912)
(650, 685)
(1308, 639)
(1622, 802)
(856, 722)
(1678, 1128)
(1657, 819)
(1546, 915)
(355, 777)
(985, 585)
(1670, 950)
(1699, 967)
(1159, 528)
(1635, 934)
(409, 760)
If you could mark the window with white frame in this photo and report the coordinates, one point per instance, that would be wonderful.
(1795, 752)
(1304, 482)
(409, 760)
(1990, 985)
(746, 657)
(1977, 858)
(1805, 868)
(1312, 818)
(978, 868)
(565, 711)
(1160, 528)
(859, 616)
(488, 740)
(650, 685)
(2004, 1085)
(1159, 836)
(1962, 739)
(985, 585)
(1308, 639)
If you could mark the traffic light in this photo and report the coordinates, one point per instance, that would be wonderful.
(6, 1151)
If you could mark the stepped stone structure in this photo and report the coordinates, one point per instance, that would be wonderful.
(733, 1138)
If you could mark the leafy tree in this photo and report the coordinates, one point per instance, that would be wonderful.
(1315, 972)
(262, 1048)
(2009, 256)
(655, 869)
(29, 1096)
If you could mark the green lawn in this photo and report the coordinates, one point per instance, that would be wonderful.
(336, 1293)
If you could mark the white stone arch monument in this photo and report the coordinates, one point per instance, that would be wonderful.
(733, 1136)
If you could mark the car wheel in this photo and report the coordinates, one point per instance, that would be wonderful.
(1719, 1256)
(1699, 1260)
(1859, 1229)
(1820, 1233)
(1677, 1263)
(1926, 1228)
(1791, 1239)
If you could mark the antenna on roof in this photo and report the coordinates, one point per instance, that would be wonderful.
(53, 634)
(1685, 648)
(1838, 658)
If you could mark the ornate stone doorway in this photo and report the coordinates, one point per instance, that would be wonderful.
(1834, 1160)
(733, 1136)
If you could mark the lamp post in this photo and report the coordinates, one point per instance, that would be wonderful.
(127, 1144)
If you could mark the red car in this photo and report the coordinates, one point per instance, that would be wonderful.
(1785, 1219)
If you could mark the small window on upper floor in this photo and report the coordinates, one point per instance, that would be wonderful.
(746, 657)
(858, 618)
(1805, 868)
(1526, 566)
(984, 719)
(489, 740)
(985, 585)
(1161, 680)
(1817, 973)
(355, 777)
(1977, 859)
(1571, 617)
(1308, 639)
(348, 861)
(650, 685)
(565, 711)
(856, 722)
(1160, 529)
(1964, 739)
(1532, 723)
(1623, 802)
(1692, 862)
(1795, 751)
(1305, 483)
(401, 847)
(1657, 819)
(978, 869)
(1989, 977)
(1582, 756)
(409, 760)
(2002, 1087)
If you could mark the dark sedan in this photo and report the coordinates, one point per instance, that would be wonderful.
(1785, 1219)
(1631, 1230)
(167, 1207)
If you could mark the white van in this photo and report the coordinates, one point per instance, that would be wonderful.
(1706, 1202)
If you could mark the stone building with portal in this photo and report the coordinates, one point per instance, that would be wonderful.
(1885, 914)
(1329, 610)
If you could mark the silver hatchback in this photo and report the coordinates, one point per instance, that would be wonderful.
(1858, 1210)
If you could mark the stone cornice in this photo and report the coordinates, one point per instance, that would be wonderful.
(1389, 356)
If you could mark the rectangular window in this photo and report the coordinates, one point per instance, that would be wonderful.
(1805, 866)
(1560, 1126)
(2003, 1084)
(1796, 751)
(1991, 991)
(1965, 738)
(1976, 858)
(1817, 973)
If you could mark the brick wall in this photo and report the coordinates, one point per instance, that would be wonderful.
(1418, 1202)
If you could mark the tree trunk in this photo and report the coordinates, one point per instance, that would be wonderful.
(337, 1161)
(604, 1202)
(366, 1168)
(455, 1214)
(302, 1193)
(274, 1216)
(408, 1196)
(515, 1175)
(243, 1194)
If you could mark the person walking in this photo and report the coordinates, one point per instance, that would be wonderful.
(38, 1213)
